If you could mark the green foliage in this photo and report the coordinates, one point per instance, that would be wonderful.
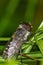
(26, 47)
(12, 12)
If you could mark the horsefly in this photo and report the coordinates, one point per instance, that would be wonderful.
(16, 41)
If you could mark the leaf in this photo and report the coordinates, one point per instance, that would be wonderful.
(40, 45)
(9, 62)
(4, 39)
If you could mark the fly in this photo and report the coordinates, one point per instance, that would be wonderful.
(14, 45)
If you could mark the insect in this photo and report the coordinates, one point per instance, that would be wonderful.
(16, 41)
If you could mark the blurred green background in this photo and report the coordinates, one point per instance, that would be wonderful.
(12, 13)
